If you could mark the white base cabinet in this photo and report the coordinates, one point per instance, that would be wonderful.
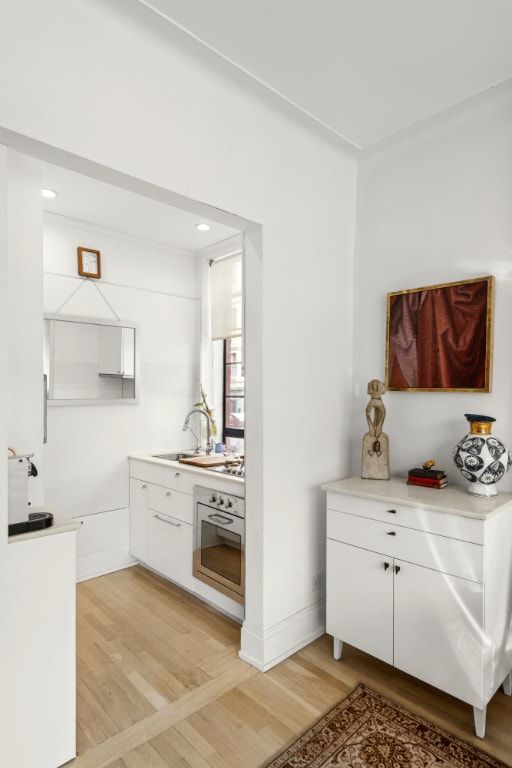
(162, 521)
(420, 578)
(169, 547)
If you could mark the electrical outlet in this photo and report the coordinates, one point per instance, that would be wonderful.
(317, 582)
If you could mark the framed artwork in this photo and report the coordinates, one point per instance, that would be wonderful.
(89, 263)
(439, 338)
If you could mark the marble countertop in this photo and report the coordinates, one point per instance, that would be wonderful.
(151, 459)
(452, 499)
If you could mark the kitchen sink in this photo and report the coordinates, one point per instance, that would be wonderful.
(171, 456)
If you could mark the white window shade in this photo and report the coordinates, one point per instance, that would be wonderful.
(226, 297)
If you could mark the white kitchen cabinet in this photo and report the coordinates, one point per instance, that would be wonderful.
(116, 351)
(415, 577)
(138, 515)
(169, 547)
(161, 521)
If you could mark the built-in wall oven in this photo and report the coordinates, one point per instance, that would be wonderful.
(219, 552)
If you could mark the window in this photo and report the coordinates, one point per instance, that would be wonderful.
(226, 296)
(234, 395)
(226, 328)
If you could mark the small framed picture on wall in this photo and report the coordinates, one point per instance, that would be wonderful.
(89, 263)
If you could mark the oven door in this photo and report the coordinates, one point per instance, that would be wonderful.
(219, 555)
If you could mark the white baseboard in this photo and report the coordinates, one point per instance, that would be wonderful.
(265, 650)
(91, 566)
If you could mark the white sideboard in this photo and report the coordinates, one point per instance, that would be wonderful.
(421, 578)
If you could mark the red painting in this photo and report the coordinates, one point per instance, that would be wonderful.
(440, 337)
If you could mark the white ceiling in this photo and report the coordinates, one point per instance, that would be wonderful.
(364, 68)
(111, 207)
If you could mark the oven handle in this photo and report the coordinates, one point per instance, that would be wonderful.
(166, 520)
(222, 519)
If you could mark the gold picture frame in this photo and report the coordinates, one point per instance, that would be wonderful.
(439, 338)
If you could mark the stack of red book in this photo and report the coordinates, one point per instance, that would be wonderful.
(428, 478)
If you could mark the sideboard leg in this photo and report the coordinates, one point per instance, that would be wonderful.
(507, 684)
(479, 715)
(338, 645)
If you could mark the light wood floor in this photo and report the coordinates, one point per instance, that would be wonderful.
(160, 685)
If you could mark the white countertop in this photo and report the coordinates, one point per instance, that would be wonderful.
(452, 499)
(186, 467)
(61, 524)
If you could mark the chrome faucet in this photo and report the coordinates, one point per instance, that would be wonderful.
(209, 444)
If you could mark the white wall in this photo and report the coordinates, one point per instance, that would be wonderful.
(4, 347)
(86, 464)
(159, 109)
(434, 206)
(26, 386)
(88, 445)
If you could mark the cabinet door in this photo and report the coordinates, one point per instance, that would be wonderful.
(360, 599)
(110, 350)
(138, 518)
(439, 630)
(169, 548)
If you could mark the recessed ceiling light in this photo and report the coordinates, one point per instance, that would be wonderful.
(49, 193)
(203, 227)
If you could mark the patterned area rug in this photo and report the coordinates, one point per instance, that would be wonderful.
(367, 730)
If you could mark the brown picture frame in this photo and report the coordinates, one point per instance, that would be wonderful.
(439, 338)
(89, 263)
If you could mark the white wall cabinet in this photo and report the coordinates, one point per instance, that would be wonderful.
(415, 578)
(116, 351)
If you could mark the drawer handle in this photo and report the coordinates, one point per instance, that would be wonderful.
(392, 511)
(143, 487)
(166, 520)
(177, 474)
(391, 533)
(386, 566)
(397, 569)
(168, 493)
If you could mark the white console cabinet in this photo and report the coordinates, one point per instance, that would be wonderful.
(422, 579)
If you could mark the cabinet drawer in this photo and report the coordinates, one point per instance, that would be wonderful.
(169, 548)
(419, 517)
(178, 479)
(173, 503)
(451, 556)
(146, 471)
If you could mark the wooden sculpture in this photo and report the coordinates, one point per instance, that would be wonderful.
(375, 464)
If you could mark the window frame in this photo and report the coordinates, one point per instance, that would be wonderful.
(236, 432)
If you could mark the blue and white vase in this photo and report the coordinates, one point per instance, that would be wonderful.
(481, 458)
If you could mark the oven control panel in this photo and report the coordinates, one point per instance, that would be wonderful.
(220, 500)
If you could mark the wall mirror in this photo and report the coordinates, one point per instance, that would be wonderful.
(89, 361)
